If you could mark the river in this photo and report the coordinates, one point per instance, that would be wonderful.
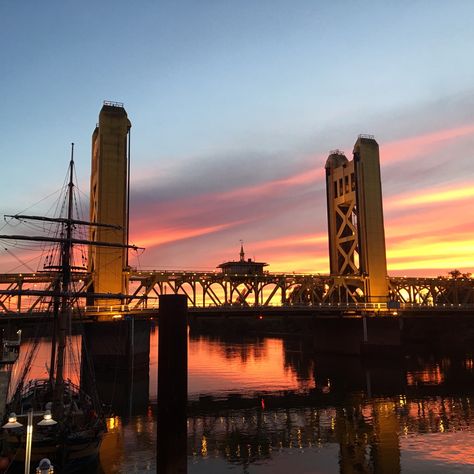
(269, 405)
(266, 405)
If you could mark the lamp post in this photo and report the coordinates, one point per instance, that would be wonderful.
(13, 423)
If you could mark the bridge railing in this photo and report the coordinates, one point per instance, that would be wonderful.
(383, 308)
(332, 307)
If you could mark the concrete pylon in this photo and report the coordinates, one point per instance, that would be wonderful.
(355, 217)
(109, 202)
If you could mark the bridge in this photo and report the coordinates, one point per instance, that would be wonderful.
(358, 283)
(273, 292)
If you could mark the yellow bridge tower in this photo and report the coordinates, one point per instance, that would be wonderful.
(355, 217)
(109, 202)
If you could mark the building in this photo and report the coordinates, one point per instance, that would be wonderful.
(242, 266)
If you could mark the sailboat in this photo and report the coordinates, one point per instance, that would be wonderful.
(68, 423)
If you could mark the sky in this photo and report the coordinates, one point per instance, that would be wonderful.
(234, 107)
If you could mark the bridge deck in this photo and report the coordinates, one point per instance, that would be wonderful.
(218, 292)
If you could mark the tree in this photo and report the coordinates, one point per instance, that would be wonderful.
(455, 274)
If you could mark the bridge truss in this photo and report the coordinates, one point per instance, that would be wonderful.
(27, 293)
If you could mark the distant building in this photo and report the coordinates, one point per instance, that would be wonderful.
(243, 267)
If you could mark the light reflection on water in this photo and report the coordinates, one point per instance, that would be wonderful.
(38, 357)
(319, 414)
(217, 368)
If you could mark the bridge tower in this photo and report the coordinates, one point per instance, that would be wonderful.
(355, 217)
(109, 199)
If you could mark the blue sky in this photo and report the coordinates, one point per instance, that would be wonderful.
(226, 94)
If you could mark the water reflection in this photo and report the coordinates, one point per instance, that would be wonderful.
(36, 355)
(270, 405)
(395, 434)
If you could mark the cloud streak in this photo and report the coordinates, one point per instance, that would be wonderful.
(258, 211)
(279, 209)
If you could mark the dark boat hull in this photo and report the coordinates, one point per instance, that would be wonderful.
(74, 455)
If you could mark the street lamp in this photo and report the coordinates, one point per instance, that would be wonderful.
(47, 419)
(13, 423)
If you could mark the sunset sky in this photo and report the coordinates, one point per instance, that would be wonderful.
(234, 106)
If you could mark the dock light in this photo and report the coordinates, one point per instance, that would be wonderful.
(260, 317)
(12, 423)
(47, 419)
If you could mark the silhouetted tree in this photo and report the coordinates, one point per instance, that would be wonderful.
(455, 274)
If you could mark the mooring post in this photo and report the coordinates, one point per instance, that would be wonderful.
(172, 385)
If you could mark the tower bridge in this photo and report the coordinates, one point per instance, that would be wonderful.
(358, 281)
(270, 292)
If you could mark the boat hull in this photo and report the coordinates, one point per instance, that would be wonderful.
(73, 455)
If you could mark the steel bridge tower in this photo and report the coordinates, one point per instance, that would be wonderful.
(109, 201)
(355, 217)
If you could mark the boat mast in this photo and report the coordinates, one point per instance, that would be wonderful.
(66, 252)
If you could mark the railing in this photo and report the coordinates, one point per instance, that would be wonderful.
(336, 152)
(43, 384)
(333, 307)
(112, 103)
(118, 310)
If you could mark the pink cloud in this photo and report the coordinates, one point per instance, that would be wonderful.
(405, 148)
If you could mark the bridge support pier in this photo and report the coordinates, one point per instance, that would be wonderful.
(358, 336)
(119, 354)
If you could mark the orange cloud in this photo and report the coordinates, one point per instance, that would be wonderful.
(457, 192)
(431, 253)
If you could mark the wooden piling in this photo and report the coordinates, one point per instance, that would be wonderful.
(172, 385)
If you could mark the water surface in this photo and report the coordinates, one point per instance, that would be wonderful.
(267, 405)
(271, 405)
